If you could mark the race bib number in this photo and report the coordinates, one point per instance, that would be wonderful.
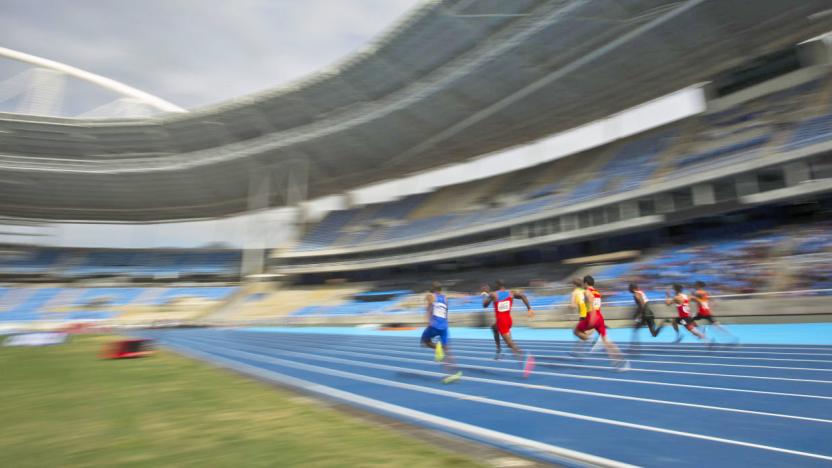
(596, 303)
(440, 310)
(503, 306)
(686, 309)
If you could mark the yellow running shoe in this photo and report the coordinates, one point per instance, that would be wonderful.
(452, 378)
(440, 353)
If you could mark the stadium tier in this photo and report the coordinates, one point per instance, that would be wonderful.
(19, 304)
(80, 263)
(778, 122)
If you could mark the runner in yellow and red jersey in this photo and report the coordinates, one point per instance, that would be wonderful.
(594, 320)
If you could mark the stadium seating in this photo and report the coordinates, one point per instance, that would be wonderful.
(53, 303)
(711, 140)
(811, 131)
(731, 265)
(73, 263)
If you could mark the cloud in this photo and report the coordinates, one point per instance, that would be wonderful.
(197, 52)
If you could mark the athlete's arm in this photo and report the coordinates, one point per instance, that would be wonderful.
(429, 298)
(522, 297)
(668, 299)
(695, 298)
(488, 299)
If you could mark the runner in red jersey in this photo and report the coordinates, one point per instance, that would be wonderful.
(594, 320)
(503, 301)
(704, 312)
(682, 303)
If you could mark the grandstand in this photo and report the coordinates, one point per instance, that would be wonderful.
(747, 131)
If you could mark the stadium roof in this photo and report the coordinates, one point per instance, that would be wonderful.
(454, 80)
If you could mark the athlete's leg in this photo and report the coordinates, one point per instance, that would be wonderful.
(691, 326)
(583, 333)
(675, 324)
(718, 326)
(496, 333)
(518, 353)
(524, 358)
(427, 338)
(653, 327)
(638, 322)
(612, 350)
(449, 363)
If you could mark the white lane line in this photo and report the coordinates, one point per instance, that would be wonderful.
(499, 439)
(657, 371)
(282, 352)
(704, 354)
(728, 347)
(505, 404)
(564, 354)
(413, 352)
(695, 348)
(619, 380)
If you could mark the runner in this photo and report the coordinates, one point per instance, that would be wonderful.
(642, 315)
(437, 319)
(503, 301)
(702, 300)
(682, 303)
(578, 302)
(594, 320)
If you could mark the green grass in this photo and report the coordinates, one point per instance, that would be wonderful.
(62, 406)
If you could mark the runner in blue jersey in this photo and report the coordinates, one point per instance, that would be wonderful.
(437, 318)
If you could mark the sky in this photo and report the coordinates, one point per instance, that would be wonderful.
(192, 52)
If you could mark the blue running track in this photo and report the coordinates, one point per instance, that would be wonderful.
(680, 404)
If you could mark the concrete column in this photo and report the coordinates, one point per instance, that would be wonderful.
(569, 222)
(703, 194)
(796, 172)
(629, 209)
(664, 203)
(747, 184)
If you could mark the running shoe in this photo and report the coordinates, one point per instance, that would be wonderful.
(440, 353)
(622, 366)
(452, 378)
(528, 365)
(498, 355)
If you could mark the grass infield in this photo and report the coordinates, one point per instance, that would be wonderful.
(63, 406)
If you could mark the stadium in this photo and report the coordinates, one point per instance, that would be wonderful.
(676, 150)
